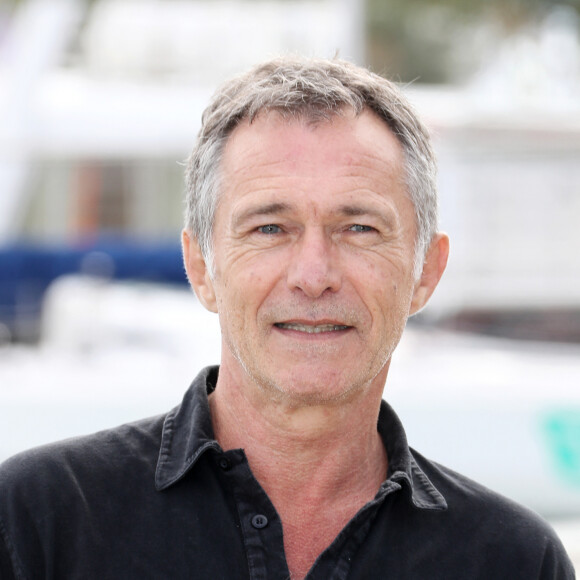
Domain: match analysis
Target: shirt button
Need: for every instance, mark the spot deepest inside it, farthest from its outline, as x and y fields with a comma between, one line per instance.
x=224, y=463
x=259, y=521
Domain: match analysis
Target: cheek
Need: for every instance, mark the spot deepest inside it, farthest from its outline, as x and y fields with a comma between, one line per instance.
x=254, y=278
x=392, y=296
x=241, y=292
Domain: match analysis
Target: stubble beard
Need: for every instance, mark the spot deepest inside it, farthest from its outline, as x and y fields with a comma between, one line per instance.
x=315, y=393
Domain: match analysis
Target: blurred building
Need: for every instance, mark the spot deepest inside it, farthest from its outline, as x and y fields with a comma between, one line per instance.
x=509, y=149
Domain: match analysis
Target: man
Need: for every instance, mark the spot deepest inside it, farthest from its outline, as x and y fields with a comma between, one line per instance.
x=311, y=231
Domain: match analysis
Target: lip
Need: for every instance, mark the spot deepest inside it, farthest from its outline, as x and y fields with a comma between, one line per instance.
x=312, y=328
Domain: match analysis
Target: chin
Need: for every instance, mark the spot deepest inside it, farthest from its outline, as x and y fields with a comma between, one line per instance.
x=310, y=391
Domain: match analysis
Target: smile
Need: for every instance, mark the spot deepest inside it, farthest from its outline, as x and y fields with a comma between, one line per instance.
x=311, y=329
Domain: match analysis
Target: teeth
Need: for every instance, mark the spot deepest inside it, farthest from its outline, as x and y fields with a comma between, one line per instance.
x=312, y=329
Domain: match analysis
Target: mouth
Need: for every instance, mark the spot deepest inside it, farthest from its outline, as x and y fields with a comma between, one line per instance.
x=311, y=328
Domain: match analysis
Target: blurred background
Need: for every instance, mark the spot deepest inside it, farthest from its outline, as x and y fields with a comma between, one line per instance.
x=100, y=102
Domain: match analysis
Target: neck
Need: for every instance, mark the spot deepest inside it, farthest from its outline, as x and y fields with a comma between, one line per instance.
x=317, y=463
x=305, y=440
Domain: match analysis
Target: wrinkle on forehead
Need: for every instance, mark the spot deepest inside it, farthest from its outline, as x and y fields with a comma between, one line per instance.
x=354, y=155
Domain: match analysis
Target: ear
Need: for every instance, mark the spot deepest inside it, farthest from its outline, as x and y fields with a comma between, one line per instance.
x=197, y=272
x=433, y=268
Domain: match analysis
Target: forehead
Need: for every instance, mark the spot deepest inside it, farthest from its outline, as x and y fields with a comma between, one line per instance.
x=273, y=133
x=348, y=152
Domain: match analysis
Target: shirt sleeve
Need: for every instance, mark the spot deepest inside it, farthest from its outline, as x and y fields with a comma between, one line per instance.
x=556, y=564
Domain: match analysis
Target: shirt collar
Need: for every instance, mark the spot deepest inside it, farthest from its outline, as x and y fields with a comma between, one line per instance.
x=188, y=433
x=403, y=469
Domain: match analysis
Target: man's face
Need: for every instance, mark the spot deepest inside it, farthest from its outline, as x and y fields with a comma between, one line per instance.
x=313, y=247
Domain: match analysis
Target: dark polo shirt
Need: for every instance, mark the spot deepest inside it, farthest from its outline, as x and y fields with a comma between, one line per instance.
x=159, y=499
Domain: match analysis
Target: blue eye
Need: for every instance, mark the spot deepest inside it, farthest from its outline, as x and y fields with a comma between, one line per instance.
x=270, y=229
x=360, y=228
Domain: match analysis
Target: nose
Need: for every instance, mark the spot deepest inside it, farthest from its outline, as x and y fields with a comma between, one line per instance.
x=313, y=266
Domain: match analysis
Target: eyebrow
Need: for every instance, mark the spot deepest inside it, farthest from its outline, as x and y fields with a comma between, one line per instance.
x=356, y=210
x=276, y=208
x=364, y=210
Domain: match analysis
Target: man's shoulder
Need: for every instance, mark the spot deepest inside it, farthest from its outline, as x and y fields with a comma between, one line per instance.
x=64, y=499
x=102, y=453
x=505, y=529
x=466, y=497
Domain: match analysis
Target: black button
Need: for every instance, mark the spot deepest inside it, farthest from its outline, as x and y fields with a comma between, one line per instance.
x=259, y=521
x=224, y=463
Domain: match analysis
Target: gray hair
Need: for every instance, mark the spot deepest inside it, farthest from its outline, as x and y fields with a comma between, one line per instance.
x=316, y=90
